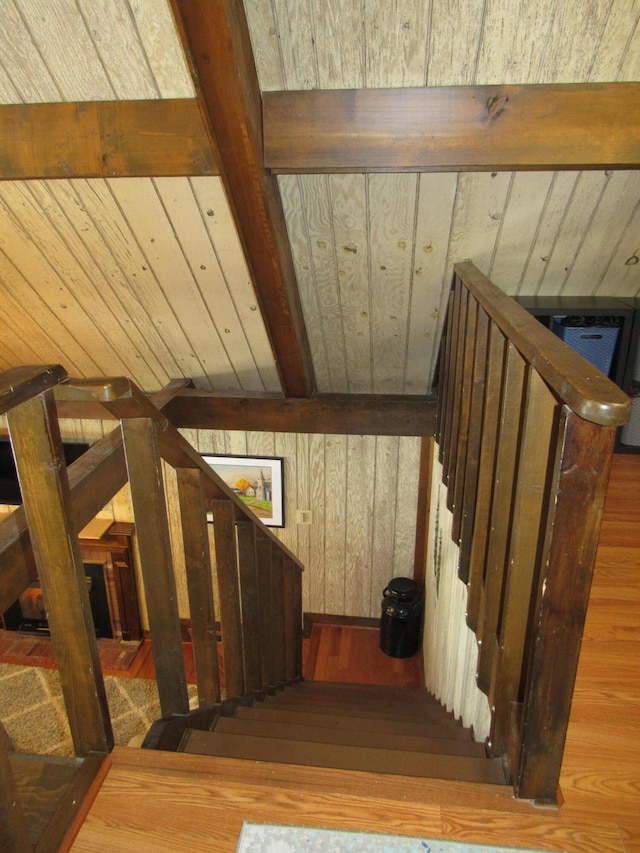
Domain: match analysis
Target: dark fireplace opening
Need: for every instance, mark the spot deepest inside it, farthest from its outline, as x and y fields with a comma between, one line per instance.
x=28, y=614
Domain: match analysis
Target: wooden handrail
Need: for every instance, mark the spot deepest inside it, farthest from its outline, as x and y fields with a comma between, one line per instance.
x=526, y=429
x=577, y=383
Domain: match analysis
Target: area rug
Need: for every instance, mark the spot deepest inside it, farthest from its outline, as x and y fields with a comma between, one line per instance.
x=268, y=838
x=34, y=718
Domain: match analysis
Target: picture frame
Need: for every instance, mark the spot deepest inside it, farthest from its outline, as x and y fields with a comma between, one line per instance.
x=263, y=493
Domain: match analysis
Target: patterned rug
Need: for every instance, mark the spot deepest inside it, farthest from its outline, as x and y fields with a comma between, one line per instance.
x=34, y=717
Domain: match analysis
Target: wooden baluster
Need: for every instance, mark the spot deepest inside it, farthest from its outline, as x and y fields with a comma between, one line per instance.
x=443, y=377
x=247, y=567
x=229, y=592
x=277, y=593
x=263, y=561
x=289, y=617
x=35, y=436
x=462, y=450
x=572, y=529
x=468, y=501
x=458, y=354
x=477, y=550
x=149, y=507
x=195, y=537
x=501, y=511
x=524, y=554
x=452, y=367
x=14, y=833
x=297, y=614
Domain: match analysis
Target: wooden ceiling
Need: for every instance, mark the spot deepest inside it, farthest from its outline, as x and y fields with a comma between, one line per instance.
x=208, y=273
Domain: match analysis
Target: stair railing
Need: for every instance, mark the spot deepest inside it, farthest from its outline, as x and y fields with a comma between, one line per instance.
x=526, y=430
x=259, y=609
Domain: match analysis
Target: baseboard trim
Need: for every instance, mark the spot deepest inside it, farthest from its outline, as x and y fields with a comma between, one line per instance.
x=311, y=619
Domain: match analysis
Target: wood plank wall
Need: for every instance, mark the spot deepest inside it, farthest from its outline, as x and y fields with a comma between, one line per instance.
x=361, y=490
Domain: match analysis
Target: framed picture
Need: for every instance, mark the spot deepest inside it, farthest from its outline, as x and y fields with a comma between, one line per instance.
x=257, y=480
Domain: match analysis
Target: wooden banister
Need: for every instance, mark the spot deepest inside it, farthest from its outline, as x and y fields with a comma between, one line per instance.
x=526, y=430
x=258, y=579
x=581, y=386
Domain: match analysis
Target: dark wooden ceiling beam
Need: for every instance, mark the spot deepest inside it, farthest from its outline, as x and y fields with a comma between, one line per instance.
x=573, y=126
x=216, y=39
x=103, y=139
x=344, y=414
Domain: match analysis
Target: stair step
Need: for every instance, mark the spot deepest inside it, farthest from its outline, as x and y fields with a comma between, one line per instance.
x=397, y=762
x=366, y=710
x=349, y=737
x=422, y=727
x=409, y=695
x=381, y=699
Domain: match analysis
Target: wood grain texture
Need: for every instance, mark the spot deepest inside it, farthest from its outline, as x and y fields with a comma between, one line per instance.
x=103, y=139
x=451, y=128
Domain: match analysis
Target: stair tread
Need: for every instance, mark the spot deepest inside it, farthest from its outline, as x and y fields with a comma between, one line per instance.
x=363, y=709
x=409, y=694
x=348, y=721
x=353, y=737
x=396, y=762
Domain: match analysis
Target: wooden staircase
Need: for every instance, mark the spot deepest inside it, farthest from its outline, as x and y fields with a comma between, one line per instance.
x=345, y=726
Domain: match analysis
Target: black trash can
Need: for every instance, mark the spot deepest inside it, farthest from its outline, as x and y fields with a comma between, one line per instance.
x=401, y=618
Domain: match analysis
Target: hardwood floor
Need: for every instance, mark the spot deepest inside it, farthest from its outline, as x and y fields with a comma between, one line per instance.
x=167, y=803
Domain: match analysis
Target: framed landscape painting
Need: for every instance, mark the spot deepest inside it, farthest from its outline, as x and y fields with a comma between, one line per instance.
x=257, y=480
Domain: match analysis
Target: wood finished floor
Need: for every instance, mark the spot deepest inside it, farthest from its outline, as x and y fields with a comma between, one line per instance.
x=167, y=803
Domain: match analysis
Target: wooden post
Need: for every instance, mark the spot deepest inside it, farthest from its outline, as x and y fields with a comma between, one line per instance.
x=250, y=601
x=149, y=507
x=573, y=526
x=524, y=555
x=35, y=436
x=229, y=591
x=264, y=568
x=278, y=607
x=195, y=538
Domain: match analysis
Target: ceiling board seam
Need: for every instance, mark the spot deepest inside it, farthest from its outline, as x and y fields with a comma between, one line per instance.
x=583, y=236
x=483, y=17
x=229, y=291
x=125, y=276
x=615, y=249
x=95, y=47
x=52, y=77
x=427, y=42
x=334, y=242
x=559, y=229
x=196, y=283
x=505, y=208
x=537, y=231
x=38, y=252
x=150, y=268
x=597, y=48
x=81, y=266
x=543, y=52
x=369, y=279
x=134, y=23
x=414, y=241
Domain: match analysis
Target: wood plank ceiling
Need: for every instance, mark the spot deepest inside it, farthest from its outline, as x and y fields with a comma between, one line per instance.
x=146, y=276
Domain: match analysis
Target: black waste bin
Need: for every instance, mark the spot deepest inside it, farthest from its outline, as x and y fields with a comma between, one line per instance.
x=401, y=618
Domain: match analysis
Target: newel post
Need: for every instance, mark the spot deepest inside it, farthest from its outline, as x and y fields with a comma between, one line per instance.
x=582, y=472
